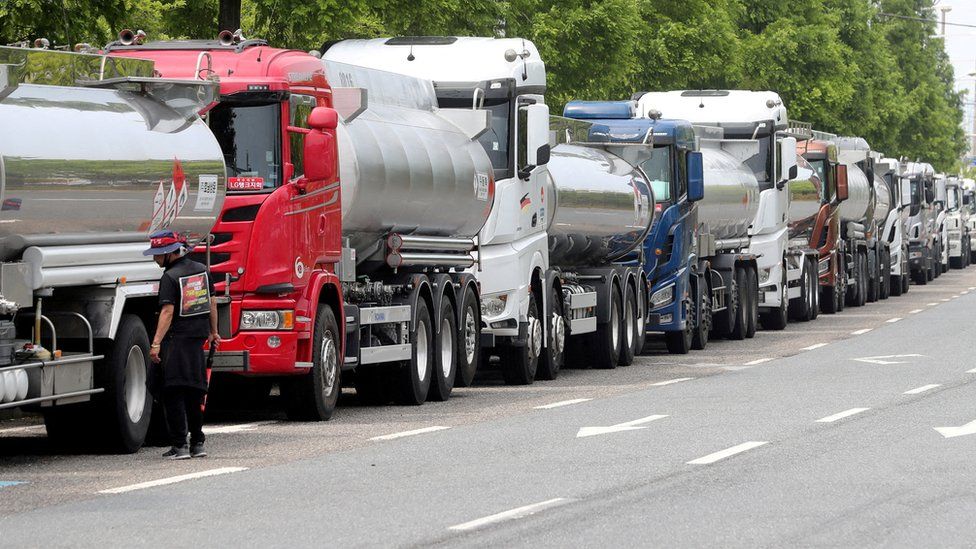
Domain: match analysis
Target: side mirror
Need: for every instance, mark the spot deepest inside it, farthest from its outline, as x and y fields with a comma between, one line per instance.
x=533, y=146
x=320, y=147
x=840, y=175
x=695, y=168
x=787, y=159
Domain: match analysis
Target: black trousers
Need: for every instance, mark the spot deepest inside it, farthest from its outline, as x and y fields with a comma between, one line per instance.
x=184, y=413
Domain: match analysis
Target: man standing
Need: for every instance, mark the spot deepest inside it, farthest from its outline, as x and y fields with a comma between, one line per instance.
x=187, y=318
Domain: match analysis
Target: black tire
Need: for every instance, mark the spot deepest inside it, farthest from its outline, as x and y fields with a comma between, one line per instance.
x=415, y=375
x=828, y=300
x=123, y=412
x=862, y=292
x=469, y=348
x=629, y=328
x=752, y=299
x=725, y=320
x=679, y=342
x=642, y=326
x=814, y=290
x=445, y=353
x=313, y=396
x=905, y=284
x=520, y=363
x=885, y=276
x=554, y=354
x=874, y=278
x=799, y=309
x=741, y=325
x=703, y=321
x=894, y=281
x=841, y=282
x=605, y=343
x=777, y=318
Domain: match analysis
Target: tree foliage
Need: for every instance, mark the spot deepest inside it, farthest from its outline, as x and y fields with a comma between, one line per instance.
x=841, y=64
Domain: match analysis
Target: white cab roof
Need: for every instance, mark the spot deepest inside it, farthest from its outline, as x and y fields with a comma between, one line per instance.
x=716, y=106
x=448, y=59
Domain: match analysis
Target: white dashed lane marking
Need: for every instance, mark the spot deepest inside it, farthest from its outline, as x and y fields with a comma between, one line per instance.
x=562, y=403
x=513, y=514
x=173, y=480
x=921, y=389
x=842, y=415
x=728, y=452
x=410, y=433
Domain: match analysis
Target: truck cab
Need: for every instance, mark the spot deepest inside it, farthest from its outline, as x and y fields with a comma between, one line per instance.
x=889, y=169
x=957, y=224
x=921, y=233
x=274, y=248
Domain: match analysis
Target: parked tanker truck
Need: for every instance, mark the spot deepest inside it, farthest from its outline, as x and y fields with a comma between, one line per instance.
x=923, y=254
x=939, y=214
x=969, y=207
x=957, y=224
x=821, y=154
x=889, y=169
x=95, y=154
x=755, y=131
x=350, y=220
x=548, y=271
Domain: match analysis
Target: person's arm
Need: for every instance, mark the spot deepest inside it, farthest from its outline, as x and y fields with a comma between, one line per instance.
x=162, y=326
x=214, y=335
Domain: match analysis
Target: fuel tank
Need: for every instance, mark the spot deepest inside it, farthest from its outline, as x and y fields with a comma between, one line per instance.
x=882, y=204
x=82, y=165
x=405, y=169
x=603, y=207
x=860, y=203
x=806, y=199
x=731, y=194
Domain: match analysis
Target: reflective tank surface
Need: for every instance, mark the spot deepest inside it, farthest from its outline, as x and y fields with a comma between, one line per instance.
x=882, y=204
x=731, y=195
x=805, y=200
x=603, y=206
x=404, y=169
x=859, y=206
x=92, y=165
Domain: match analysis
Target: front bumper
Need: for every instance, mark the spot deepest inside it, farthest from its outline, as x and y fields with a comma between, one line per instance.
x=251, y=353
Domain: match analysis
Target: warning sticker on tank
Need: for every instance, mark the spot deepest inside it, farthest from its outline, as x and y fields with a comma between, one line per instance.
x=481, y=186
x=206, y=194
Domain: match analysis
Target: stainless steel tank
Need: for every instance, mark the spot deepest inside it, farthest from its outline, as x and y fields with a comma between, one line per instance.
x=859, y=206
x=882, y=204
x=806, y=199
x=101, y=166
x=411, y=172
x=731, y=195
x=603, y=207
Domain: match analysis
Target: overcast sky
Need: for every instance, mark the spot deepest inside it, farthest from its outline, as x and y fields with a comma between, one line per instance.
x=961, y=45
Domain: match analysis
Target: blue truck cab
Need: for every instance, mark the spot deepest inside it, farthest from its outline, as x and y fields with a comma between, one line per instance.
x=675, y=171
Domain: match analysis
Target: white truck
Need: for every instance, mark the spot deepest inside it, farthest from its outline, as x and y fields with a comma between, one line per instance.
x=957, y=224
x=94, y=154
x=757, y=133
x=896, y=222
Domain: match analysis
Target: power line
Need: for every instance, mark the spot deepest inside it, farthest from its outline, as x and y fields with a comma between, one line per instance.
x=924, y=20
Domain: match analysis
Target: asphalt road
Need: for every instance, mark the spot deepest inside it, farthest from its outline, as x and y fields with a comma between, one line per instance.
x=824, y=434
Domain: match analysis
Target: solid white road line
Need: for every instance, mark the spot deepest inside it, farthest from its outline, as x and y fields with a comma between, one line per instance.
x=238, y=428
x=562, y=403
x=842, y=415
x=520, y=512
x=861, y=331
x=922, y=389
x=671, y=381
x=892, y=320
x=814, y=346
x=914, y=311
x=757, y=361
x=411, y=433
x=738, y=449
x=173, y=480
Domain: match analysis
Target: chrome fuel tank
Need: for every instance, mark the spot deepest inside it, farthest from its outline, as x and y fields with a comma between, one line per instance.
x=859, y=206
x=882, y=204
x=806, y=199
x=83, y=165
x=603, y=206
x=731, y=195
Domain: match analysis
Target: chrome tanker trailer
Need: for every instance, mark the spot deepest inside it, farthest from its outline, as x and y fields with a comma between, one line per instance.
x=858, y=224
x=88, y=168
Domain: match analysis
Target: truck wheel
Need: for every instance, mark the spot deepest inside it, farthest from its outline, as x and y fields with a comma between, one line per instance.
x=777, y=318
x=841, y=283
x=469, y=351
x=752, y=298
x=519, y=363
x=445, y=354
x=679, y=342
x=608, y=338
x=828, y=300
x=862, y=280
x=873, y=279
x=741, y=325
x=799, y=309
x=415, y=374
x=126, y=405
x=703, y=321
x=814, y=290
x=642, y=322
x=726, y=320
x=313, y=396
x=894, y=282
x=553, y=355
x=630, y=328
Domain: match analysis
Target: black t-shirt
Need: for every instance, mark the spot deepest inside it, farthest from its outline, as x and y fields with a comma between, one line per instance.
x=188, y=286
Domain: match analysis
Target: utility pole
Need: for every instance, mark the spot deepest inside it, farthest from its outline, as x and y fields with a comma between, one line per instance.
x=944, y=10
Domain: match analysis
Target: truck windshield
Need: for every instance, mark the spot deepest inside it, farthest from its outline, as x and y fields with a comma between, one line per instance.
x=250, y=137
x=826, y=185
x=497, y=139
x=952, y=199
x=658, y=171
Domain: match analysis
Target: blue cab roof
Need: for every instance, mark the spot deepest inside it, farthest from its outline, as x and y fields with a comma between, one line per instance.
x=615, y=121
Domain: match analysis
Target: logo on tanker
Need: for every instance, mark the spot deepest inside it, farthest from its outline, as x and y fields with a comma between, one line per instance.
x=169, y=202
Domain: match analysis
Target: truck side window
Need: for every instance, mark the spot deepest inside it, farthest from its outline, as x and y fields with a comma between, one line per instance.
x=682, y=179
x=301, y=106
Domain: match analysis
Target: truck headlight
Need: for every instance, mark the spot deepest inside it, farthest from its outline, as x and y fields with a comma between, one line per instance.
x=662, y=297
x=493, y=305
x=267, y=320
x=764, y=275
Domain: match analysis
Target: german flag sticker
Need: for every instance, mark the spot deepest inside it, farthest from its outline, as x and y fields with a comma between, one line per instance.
x=525, y=202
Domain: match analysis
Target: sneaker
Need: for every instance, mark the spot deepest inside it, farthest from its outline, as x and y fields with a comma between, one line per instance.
x=197, y=451
x=177, y=452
